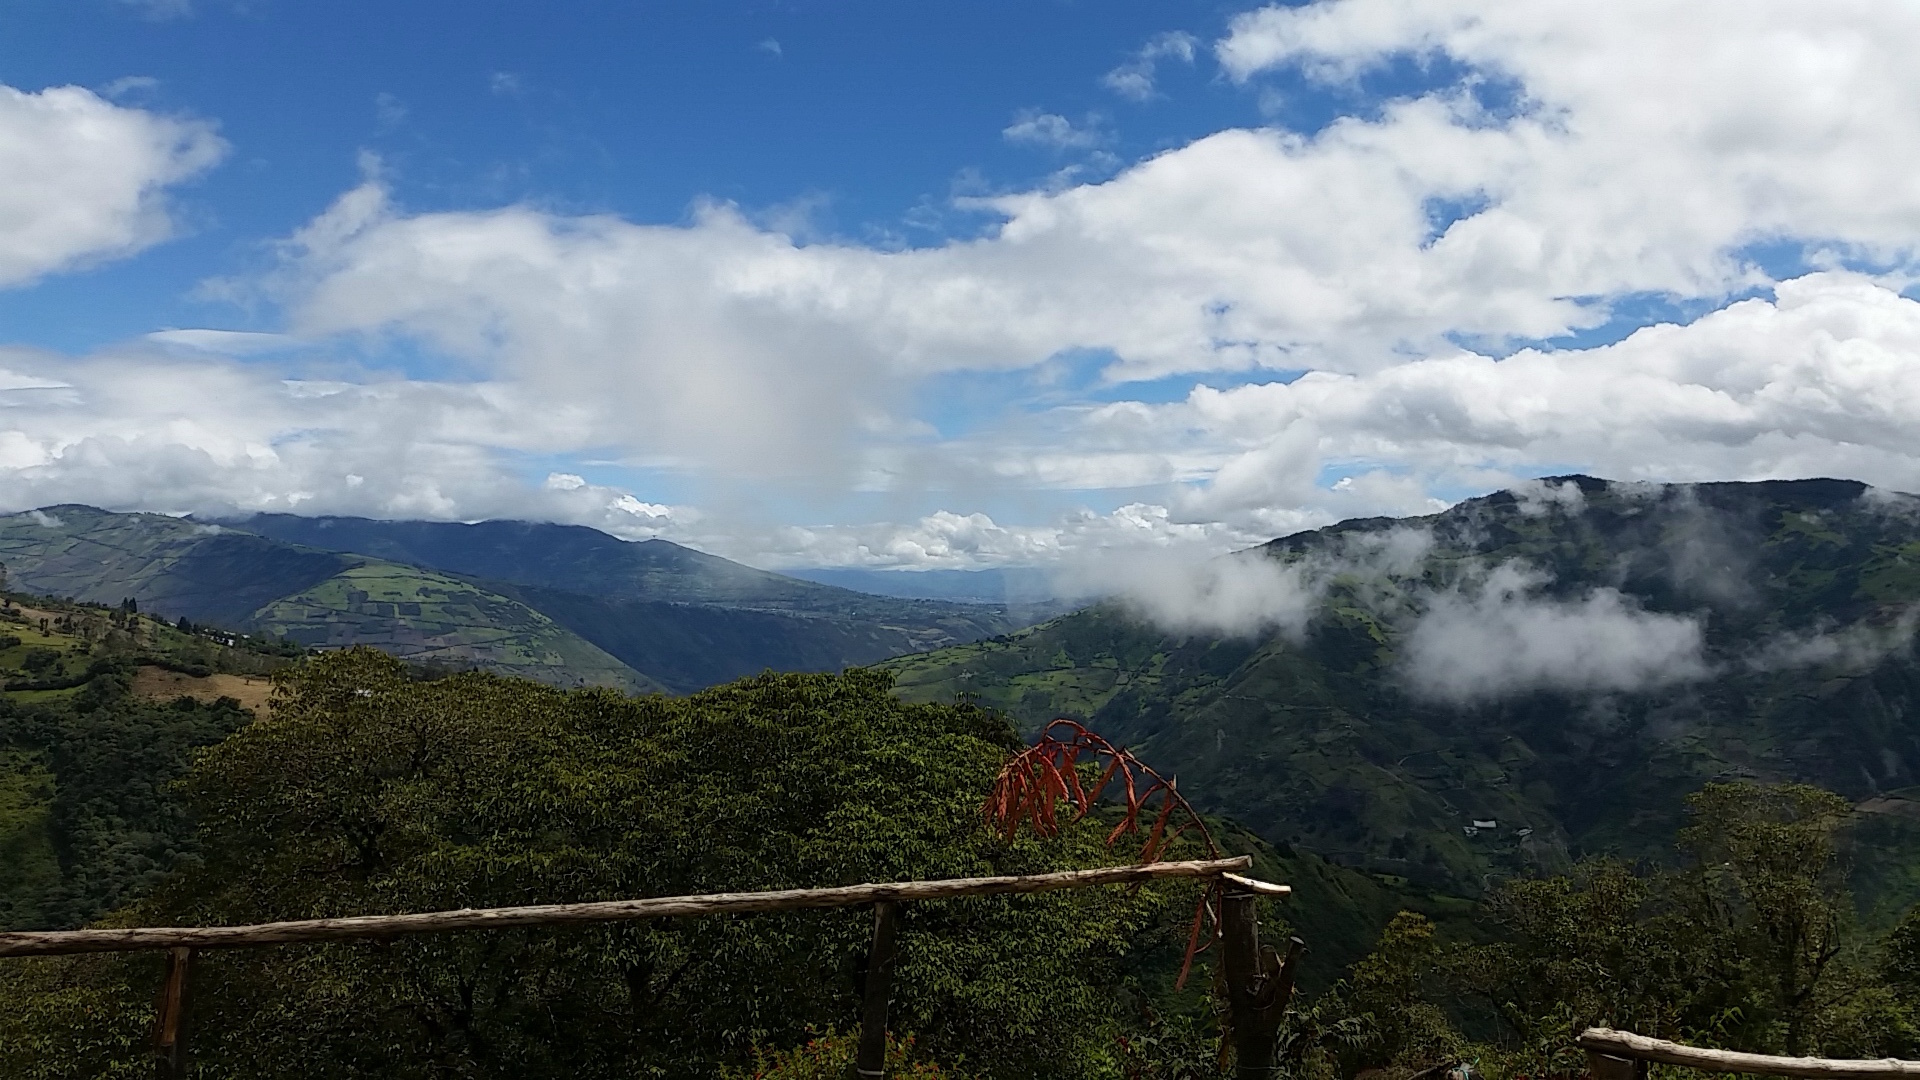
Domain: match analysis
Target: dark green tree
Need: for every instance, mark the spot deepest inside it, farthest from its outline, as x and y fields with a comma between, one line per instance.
x=1768, y=858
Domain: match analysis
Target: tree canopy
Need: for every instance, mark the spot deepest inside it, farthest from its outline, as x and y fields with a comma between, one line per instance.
x=367, y=791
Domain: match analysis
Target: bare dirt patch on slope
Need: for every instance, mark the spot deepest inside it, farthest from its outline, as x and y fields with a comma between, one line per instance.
x=251, y=691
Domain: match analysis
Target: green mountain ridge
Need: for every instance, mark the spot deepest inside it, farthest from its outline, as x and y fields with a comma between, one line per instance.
x=1771, y=625
x=555, y=557
x=202, y=572
x=685, y=618
x=562, y=604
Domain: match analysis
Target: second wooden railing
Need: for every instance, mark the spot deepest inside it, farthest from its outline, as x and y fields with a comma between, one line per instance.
x=1622, y=1055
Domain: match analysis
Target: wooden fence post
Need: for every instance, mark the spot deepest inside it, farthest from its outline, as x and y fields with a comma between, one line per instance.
x=169, y=1029
x=1259, y=984
x=871, y=1060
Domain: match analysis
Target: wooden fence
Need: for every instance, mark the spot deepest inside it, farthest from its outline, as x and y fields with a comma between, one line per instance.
x=1259, y=981
x=1622, y=1055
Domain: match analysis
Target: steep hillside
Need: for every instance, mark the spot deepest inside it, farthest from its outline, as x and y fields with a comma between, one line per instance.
x=202, y=572
x=207, y=573
x=685, y=618
x=99, y=709
x=689, y=646
x=569, y=557
x=1566, y=662
x=426, y=617
x=562, y=604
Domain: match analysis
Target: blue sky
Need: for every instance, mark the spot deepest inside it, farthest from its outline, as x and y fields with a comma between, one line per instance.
x=946, y=285
x=863, y=118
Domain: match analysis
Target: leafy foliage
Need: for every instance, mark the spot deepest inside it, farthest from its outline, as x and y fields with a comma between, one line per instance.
x=1746, y=945
x=367, y=791
x=830, y=1057
x=92, y=823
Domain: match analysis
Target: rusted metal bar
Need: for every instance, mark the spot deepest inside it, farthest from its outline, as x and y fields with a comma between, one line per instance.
x=1604, y=1043
x=50, y=943
x=870, y=1063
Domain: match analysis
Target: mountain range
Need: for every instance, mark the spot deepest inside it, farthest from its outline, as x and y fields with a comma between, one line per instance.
x=1513, y=682
x=563, y=604
x=1439, y=701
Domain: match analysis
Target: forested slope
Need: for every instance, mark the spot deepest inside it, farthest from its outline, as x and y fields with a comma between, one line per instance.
x=1566, y=662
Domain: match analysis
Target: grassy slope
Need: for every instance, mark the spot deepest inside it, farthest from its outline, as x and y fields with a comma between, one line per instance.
x=1314, y=741
x=423, y=616
x=239, y=580
x=569, y=556
x=555, y=556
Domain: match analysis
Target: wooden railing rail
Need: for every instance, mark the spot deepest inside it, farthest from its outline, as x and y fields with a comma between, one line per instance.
x=1259, y=981
x=1615, y=1055
x=135, y=939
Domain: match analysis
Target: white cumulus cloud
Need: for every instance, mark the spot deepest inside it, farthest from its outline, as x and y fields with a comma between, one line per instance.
x=83, y=179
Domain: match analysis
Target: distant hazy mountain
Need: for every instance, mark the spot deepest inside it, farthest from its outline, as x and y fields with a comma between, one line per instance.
x=563, y=604
x=998, y=586
x=682, y=616
x=1564, y=662
x=569, y=557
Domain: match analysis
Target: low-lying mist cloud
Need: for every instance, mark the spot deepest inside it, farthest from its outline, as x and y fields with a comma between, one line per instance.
x=1239, y=595
x=1853, y=648
x=1248, y=592
x=1498, y=638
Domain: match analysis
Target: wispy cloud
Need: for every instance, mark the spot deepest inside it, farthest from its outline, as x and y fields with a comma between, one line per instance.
x=129, y=86
x=389, y=112
x=161, y=10
x=1850, y=648
x=1176, y=586
x=770, y=47
x=1134, y=80
x=1032, y=127
x=226, y=342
